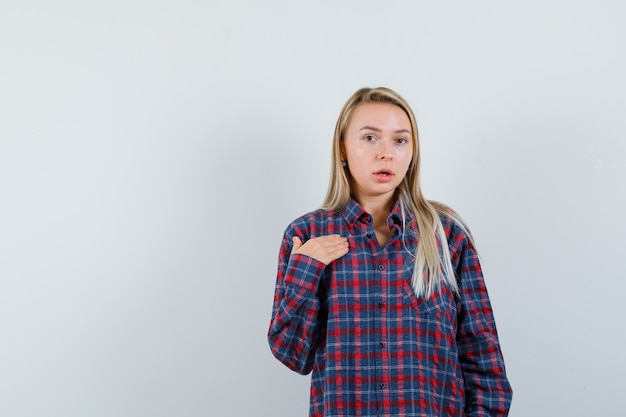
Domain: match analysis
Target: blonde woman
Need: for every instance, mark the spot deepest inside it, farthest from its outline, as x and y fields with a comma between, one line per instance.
x=380, y=293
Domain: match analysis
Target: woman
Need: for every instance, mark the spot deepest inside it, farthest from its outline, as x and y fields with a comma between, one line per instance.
x=367, y=298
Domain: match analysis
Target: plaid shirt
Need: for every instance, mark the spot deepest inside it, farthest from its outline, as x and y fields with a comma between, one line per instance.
x=375, y=349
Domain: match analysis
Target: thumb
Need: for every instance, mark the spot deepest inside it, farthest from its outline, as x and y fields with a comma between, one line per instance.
x=297, y=243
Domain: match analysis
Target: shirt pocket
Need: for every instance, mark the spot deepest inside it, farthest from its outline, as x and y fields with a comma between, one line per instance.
x=438, y=302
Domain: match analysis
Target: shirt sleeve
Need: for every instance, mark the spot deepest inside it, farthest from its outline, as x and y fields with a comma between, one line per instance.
x=294, y=327
x=487, y=389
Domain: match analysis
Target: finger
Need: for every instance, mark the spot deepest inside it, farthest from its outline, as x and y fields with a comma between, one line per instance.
x=297, y=243
x=337, y=252
x=338, y=243
x=331, y=240
x=335, y=237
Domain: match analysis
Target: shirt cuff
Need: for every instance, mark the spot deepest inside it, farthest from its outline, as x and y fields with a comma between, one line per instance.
x=304, y=271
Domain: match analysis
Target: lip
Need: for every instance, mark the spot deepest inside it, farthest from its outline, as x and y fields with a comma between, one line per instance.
x=384, y=175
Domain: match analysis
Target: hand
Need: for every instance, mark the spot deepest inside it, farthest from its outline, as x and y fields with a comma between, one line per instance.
x=323, y=248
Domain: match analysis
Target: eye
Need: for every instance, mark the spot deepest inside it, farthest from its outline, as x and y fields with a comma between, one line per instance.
x=402, y=140
x=369, y=138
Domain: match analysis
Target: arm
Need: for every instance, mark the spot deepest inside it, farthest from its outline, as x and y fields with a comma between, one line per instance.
x=487, y=389
x=295, y=328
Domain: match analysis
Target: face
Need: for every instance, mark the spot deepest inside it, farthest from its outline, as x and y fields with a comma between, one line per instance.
x=378, y=147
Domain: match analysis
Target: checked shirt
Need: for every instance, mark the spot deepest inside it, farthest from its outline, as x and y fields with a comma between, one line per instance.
x=373, y=347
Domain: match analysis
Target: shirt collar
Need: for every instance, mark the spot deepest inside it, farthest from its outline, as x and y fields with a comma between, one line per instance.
x=353, y=213
x=395, y=218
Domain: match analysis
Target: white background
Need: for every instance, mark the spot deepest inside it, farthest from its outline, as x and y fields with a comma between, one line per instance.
x=152, y=153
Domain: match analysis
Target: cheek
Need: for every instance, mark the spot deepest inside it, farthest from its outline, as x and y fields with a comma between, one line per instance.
x=357, y=155
x=405, y=155
x=406, y=161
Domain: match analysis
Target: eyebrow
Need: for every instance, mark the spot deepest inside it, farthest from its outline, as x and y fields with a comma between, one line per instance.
x=375, y=129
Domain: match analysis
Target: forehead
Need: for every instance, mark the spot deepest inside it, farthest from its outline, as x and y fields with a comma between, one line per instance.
x=379, y=115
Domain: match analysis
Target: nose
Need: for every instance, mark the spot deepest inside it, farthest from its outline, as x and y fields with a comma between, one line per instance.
x=385, y=151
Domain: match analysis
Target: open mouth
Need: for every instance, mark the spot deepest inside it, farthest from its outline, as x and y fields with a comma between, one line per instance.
x=383, y=175
x=384, y=172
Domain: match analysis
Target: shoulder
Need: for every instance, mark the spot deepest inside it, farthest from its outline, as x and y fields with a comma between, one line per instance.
x=312, y=223
x=456, y=230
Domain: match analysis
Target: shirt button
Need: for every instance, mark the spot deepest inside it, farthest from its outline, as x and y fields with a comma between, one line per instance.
x=369, y=235
x=381, y=267
x=382, y=386
x=381, y=345
x=380, y=305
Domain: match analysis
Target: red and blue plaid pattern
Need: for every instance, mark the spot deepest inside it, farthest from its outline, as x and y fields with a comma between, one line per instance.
x=375, y=349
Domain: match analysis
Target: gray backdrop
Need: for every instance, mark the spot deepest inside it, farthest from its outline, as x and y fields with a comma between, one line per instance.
x=152, y=153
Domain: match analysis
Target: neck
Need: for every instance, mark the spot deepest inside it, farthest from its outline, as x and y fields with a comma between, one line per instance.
x=378, y=206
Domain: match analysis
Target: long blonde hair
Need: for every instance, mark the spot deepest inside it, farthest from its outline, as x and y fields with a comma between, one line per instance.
x=433, y=265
